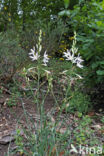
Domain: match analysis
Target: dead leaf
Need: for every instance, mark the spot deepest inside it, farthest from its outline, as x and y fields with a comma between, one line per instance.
x=102, y=131
x=53, y=120
x=61, y=153
x=53, y=150
x=91, y=113
x=96, y=127
x=61, y=130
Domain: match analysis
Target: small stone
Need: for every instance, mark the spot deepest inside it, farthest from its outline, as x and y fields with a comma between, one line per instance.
x=6, y=139
x=9, y=138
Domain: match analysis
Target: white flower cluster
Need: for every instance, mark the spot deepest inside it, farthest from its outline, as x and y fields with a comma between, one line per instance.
x=45, y=59
x=71, y=54
x=35, y=56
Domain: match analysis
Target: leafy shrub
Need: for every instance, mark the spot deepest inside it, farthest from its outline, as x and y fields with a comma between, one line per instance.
x=51, y=37
x=87, y=20
x=79, y=102
x=12, y=57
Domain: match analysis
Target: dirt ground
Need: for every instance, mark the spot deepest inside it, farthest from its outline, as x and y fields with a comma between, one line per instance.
x=13, y=117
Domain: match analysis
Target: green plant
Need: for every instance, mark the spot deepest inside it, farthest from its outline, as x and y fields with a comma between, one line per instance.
x=87, y=19
x=11, y=55
x=83, y=134
x=12, y=101
x=102, y=119
x=19, y=141
x=44, y=137
x=79, y=102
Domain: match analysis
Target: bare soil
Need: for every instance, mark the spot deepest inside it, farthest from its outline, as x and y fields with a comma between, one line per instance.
x=14, y=117
x=10, y=117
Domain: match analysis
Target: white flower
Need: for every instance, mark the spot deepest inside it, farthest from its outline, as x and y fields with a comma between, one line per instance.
x=79, y=65
x=32, y=51
x=34, y=55
x=69, y=56
x=45, y=59
x=78, y=61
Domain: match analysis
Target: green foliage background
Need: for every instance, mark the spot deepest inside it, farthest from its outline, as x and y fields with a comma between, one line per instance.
x=57, y=18
x=87, y=20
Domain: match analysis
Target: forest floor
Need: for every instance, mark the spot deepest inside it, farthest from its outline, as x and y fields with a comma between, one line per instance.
x=14, y=111
x=12, y=118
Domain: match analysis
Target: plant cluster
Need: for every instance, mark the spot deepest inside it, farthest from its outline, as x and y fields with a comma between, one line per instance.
x=52, y=35
x=11, y=56
x=47, y=139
